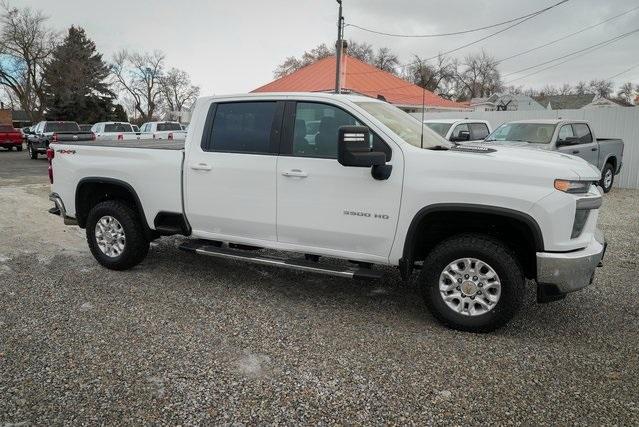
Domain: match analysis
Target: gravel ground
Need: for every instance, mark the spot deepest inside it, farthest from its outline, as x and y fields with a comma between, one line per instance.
x=183, y=339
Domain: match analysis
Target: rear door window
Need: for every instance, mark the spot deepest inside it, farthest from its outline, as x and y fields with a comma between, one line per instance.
x=478, y=131
x=243, y=127
x=582, y=131
x=458, y=129
x=162, y=127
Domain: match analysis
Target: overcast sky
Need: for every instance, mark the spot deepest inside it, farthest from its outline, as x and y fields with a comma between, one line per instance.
x=233, y=46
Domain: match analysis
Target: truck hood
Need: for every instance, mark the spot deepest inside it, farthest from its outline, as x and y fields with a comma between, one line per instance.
x=546, y=162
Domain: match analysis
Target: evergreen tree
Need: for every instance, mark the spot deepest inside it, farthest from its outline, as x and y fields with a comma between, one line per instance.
x=75, y=81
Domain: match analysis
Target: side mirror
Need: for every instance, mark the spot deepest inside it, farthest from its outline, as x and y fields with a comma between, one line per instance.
x=354, y=149
x=463, y=135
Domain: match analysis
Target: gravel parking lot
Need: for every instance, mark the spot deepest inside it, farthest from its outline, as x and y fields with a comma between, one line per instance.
x=183, y=339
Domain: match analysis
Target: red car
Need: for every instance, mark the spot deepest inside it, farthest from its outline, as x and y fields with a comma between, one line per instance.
x=10, y=137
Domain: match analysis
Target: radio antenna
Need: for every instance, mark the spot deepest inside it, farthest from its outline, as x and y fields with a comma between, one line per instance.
x=423, y=108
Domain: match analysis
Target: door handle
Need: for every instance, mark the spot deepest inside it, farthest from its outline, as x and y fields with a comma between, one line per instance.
x=298, y=173
x=201, y=167
x=594, y=149
x=575, y=151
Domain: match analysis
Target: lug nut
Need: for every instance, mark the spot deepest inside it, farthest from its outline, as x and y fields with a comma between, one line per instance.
x=481, y=285
x=466, y=276
x=474, y=277
x=459, y=280
x=458, y=288
x=478, y=292
x=472, y=297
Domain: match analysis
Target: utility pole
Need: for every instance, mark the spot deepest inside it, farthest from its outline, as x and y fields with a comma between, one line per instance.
x=339, y=45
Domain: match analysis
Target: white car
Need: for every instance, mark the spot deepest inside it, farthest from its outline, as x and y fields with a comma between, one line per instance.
x=163, y=130
x=460, y=130
x=116, y=131
x=476, y=221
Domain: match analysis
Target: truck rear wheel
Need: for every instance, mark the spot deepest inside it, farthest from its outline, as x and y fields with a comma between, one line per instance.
x=116, y=235
x=32, y=153
x=607, y=177
x=472, y=283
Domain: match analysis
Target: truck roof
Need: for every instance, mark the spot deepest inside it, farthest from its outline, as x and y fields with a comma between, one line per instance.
x=548, y=121
x=456, y=121
x=281, y=95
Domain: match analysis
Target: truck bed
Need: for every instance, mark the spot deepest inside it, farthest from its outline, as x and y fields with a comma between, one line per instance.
x=176, y=144
x=153, y=170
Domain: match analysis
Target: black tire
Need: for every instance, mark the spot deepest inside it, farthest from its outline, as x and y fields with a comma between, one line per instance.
x=19, y=147
x=488, y=250
x=32, y=153
x=10, y=148
x=136, y=245
x=607, y=169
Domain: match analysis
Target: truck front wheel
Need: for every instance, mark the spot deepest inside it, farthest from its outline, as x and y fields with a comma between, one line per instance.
x=116, y=235
x=472, y=283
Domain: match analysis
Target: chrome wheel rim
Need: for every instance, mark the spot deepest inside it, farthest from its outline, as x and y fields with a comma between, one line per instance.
x=110, y=237
x=608, y=178
x=469, y=286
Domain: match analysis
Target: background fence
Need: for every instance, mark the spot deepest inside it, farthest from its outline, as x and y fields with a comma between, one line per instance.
x=606, y=123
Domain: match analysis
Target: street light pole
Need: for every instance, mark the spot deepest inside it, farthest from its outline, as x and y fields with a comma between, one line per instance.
x=338, y=49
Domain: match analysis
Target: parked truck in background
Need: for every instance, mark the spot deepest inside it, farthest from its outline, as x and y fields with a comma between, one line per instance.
x=10, y=137
x=574, y=137
x=374, y=187
x=460, y=130
x=46, y=132
x=163, y=130
x=116, y=131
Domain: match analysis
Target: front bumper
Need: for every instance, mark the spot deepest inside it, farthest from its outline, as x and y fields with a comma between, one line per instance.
x=570, y=271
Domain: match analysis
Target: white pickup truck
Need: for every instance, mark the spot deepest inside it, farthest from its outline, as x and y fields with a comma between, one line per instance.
x=117, y=131
x=460, y=130
x=163, y=130
x=566, y=136
x=369, y=188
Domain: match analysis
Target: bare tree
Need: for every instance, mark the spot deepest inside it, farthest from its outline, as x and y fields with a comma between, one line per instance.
x=362, y=51
x=386, y=60
x=548, y=90
x=437, y=77
x=292, y=64
x=581, y=88
x=178, y=92
x=565, y=89
x=140, y=76
x=477, y=76
x=25, y=44
x=514, y=90
x=627, y=92
x=602, y=88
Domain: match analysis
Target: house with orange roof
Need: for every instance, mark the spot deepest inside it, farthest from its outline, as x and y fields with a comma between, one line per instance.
x=361, y=78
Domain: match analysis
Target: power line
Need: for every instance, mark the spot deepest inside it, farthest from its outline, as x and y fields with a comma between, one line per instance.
x=623, y=72
x=605, y=42
x=499, y=24
x=408, y=64
x=584, y=52
x=568, y=35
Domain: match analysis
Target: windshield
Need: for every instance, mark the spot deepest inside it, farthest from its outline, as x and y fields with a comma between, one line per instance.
x=62, y=127
x=168, y=126
x=117, y=127
x=537, y=133
x=404, y=125
x=440, y=128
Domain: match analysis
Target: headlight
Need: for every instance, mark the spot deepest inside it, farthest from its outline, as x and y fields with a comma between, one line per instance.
x=575, y=187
